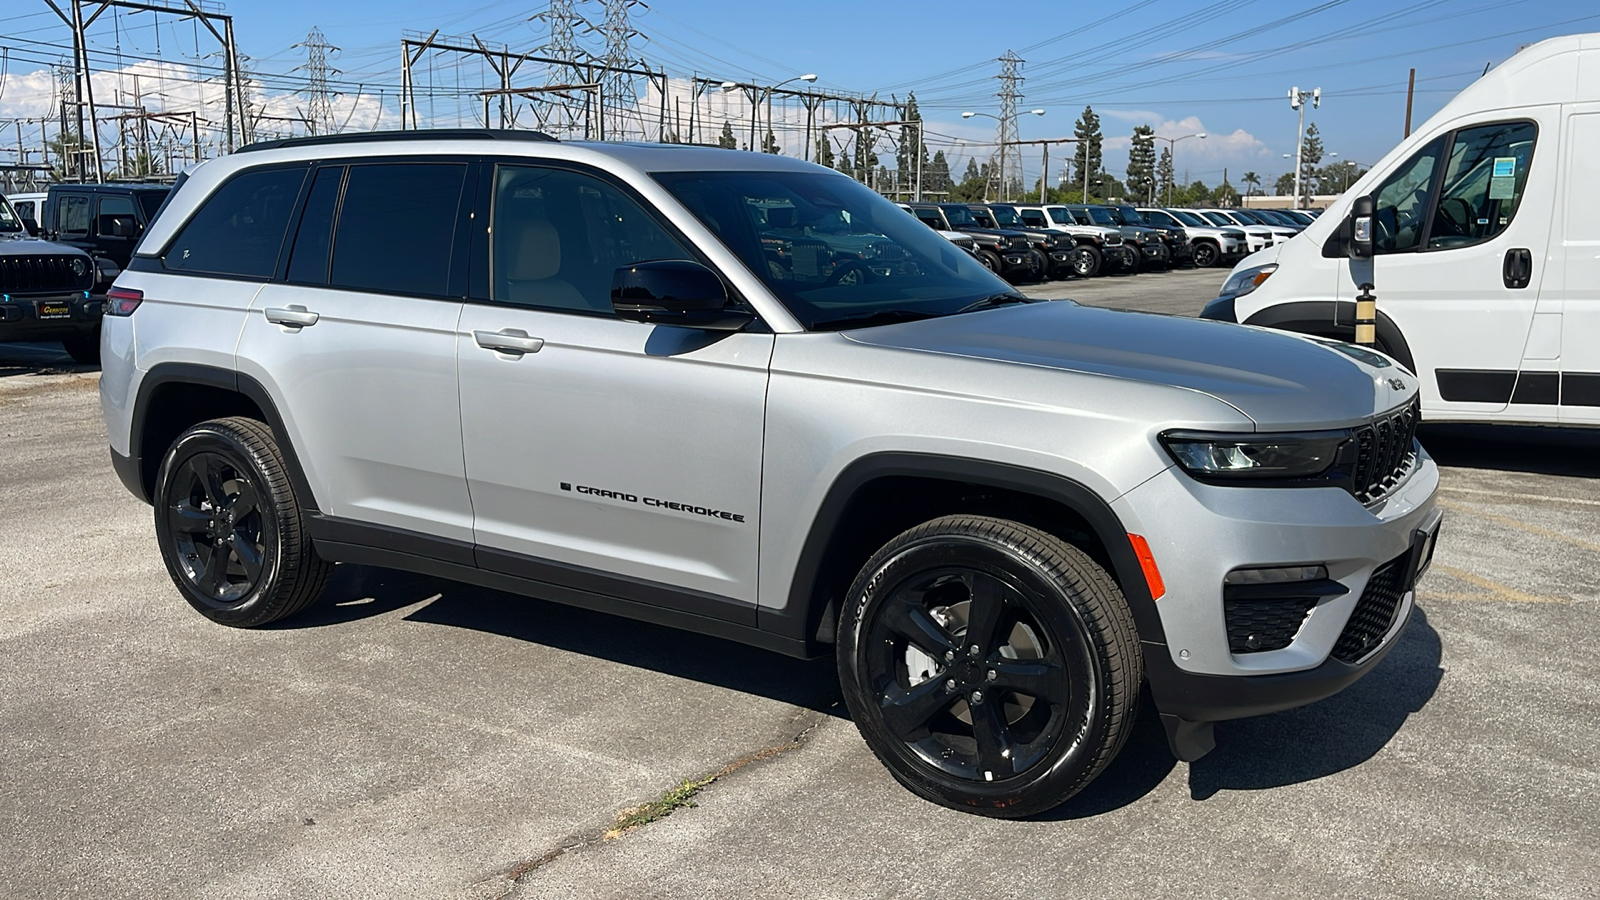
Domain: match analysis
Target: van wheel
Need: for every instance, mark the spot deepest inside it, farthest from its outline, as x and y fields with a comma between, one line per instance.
x=1206, y=255
x=230, y=528
x=991, y=667
x=84, y=348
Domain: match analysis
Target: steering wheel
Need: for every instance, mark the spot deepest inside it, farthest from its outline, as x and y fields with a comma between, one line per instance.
x=1460, y=226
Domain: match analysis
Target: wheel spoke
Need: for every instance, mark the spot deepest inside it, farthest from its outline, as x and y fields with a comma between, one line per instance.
x=215, y=481
x=983, y=614
x=183, y=518
x=245, y=549
x=215, y=575
x=1040, y=678
x=994, y=740
x=247, y=500
x=906, y=712
x=909, y=620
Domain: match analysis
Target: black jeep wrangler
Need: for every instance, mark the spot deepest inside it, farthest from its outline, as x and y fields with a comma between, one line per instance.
x=44, y=291
x=104, y=220
x=1008, y=254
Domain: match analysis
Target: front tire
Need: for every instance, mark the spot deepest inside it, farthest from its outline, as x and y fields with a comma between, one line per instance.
x=991, y=667
x=1206, y=255
x=1131, y=257
x=1086, y=261
x=230, y=528
x=990, y=260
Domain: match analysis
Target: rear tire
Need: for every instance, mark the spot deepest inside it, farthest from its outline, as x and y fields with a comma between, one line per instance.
x=992, y=667
x=230, y=528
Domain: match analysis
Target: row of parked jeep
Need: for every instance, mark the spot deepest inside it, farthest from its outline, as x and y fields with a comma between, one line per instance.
x=1026, y=244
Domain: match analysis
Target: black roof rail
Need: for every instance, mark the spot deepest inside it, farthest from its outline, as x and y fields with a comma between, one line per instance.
x=430, y=134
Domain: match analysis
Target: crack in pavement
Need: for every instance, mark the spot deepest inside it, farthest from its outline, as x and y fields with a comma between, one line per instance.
x=504, y=883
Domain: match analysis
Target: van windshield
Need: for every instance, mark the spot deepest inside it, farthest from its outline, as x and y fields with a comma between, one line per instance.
x=833, y=251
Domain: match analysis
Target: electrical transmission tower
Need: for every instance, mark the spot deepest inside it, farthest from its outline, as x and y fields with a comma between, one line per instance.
x=562, y=22
x=319, y=115
x=617, y=89
x=1010, y=152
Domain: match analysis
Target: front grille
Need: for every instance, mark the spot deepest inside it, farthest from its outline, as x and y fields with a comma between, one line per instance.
x=1374, y=612
x=888, y=251
x=39, y=274
x=1386, y=450
x=1259, y=625
x=1113, y=240
x=1017, y=244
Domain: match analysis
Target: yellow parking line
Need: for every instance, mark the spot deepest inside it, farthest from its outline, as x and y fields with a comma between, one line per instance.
x=1499, y=592
x=1542, y=498
x=1522, y=526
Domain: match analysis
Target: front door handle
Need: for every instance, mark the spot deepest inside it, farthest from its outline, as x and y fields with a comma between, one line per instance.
x=1517, y=270
x=508, y=340
x=292, y=317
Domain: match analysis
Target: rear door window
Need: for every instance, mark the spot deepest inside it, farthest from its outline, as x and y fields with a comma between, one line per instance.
x=115, y=206
x=72, y=216
x=150, y=202
x=308, y=259
x=397, y=228
x=239, y=230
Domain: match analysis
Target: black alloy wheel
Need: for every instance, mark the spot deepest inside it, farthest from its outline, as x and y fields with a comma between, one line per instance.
x=1132, y=258
x=990, y=260
x=1205, y=255
x=848, y=272
x=992, y=667
x=230, y=529
x=1085, y=261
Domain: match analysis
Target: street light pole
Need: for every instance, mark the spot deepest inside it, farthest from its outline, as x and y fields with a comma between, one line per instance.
x=1172, y=157
x=1297, y=100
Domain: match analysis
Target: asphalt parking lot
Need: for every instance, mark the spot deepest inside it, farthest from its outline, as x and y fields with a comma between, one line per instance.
x=412, y=737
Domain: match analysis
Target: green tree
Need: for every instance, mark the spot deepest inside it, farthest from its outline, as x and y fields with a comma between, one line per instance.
x=865, y=160
x=1142, y=164
x=973, y=183
x=1284, y=186
x=1336, y=177
x=1310, y=156
x=769, y=144
x=1252, y=183
x=1225, y=195
x=726, y=140
x=936, y=176
x=1109, y=188
x=824, y=151
x=1194, y=193
x=905, y=156
x=1086, y=152
x=1164, y=174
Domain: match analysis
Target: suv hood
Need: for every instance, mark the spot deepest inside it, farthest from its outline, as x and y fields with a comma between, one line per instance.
x=1280, y=381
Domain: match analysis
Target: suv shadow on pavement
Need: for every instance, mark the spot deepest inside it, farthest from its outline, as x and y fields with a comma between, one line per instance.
x=1533, y=449
x=359, y=592
x=1285, y=748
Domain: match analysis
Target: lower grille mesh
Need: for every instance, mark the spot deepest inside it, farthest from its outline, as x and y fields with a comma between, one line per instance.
x=1374, y=612
x=1256, y=626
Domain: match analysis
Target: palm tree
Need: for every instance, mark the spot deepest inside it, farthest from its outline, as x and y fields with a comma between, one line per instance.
x=1251, y=182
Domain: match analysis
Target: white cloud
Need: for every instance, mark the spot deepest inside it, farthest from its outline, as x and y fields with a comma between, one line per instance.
x=1203, y=158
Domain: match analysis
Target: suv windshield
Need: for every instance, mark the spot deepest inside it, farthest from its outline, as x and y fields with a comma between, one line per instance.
x=1249, y=216
x=1005, y=215
x=1060, y=216
x=1130, y=216
x=1219, y=219
x=1101, y=216
x=833, y=251
x=959, y=216
x=1187, y=218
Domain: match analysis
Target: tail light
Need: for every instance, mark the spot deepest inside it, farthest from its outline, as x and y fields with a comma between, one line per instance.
x=123, y=301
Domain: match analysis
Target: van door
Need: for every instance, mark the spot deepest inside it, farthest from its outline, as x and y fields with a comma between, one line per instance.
x=1575, y=263
x=356, y=342
x=1460, y=231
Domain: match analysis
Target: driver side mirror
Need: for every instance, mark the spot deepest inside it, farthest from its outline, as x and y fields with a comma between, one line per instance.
x=1360, y=241
x=675, y=292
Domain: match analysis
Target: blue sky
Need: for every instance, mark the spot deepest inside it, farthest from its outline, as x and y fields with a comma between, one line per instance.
x=1223, y=67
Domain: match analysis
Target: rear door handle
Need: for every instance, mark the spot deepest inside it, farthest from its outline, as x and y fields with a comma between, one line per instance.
x=1517, y=270
x=292, y=317
x=508, y=340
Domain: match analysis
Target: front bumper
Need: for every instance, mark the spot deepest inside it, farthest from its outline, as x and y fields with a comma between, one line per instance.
x=1199, y=533
x=49, y=317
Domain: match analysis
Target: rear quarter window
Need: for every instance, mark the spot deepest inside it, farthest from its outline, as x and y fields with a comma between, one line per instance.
x=238, y=231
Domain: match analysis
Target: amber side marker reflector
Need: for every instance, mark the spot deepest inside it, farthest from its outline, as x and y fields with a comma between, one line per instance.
x=1147, y=562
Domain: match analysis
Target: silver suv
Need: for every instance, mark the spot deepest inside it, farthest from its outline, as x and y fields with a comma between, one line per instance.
x=747, y=396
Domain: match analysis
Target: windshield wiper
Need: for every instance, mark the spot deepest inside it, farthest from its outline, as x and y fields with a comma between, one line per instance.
x=878, y=317
x=996, y=300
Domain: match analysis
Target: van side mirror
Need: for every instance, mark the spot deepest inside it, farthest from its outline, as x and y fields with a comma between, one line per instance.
x=675, y=292
x=1360, y=243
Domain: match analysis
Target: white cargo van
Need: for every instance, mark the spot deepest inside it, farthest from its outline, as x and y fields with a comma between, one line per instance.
x=1484, y=249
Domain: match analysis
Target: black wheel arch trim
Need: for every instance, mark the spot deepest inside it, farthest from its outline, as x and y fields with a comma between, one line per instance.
x=1326, y=317
x=803, y=615
x=163, y=374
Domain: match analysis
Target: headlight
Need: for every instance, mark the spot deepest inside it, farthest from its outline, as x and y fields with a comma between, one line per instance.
x=1235, y=457
x=79, y=267
x=1246, y=280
